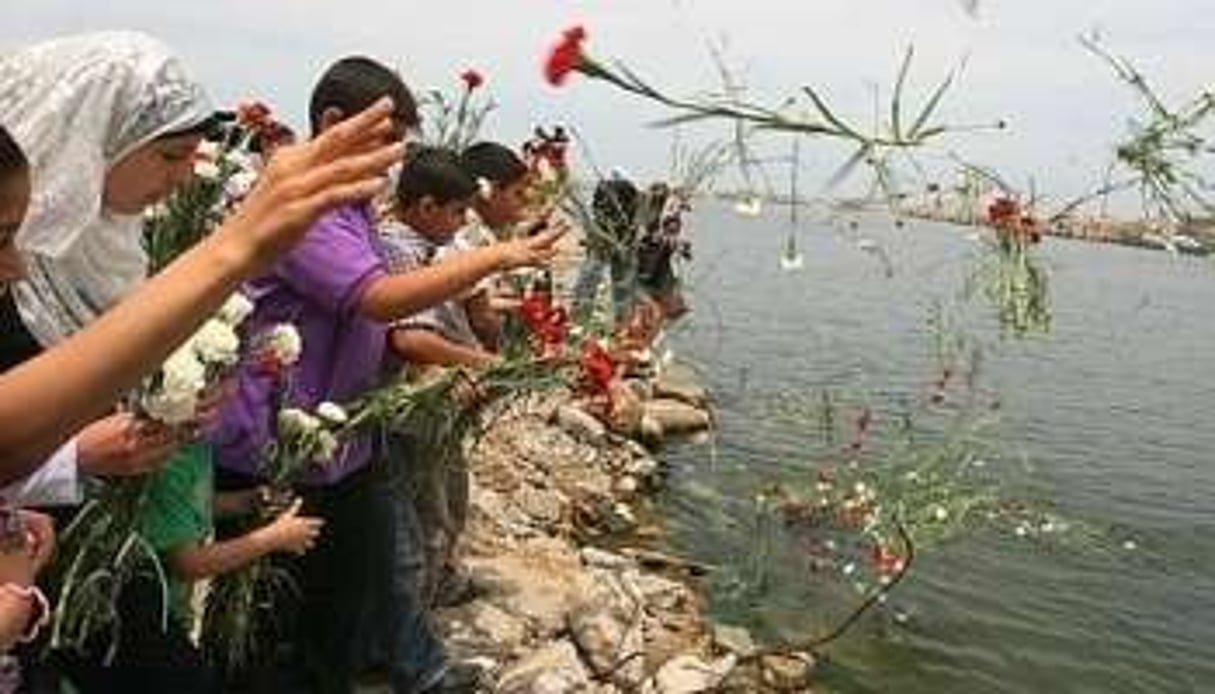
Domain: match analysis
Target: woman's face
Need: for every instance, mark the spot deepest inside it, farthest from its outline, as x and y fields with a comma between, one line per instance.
x=14, y=198
x=149, y=174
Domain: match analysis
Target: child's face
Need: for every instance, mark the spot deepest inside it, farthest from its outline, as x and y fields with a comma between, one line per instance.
x=439, y=222
x=507, y=204
x=14, y=198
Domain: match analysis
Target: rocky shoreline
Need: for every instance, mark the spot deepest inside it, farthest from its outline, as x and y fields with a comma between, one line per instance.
x=571, y=595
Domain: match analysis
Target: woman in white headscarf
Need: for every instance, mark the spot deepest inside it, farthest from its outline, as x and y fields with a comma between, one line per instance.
x=110, y=122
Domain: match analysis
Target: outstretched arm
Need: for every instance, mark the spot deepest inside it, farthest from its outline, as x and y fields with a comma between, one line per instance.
x=47, y=399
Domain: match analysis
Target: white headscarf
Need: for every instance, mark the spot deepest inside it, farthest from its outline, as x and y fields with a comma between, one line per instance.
x=76, y=106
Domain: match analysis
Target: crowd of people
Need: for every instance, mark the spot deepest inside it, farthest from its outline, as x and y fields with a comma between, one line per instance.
x=379, y=278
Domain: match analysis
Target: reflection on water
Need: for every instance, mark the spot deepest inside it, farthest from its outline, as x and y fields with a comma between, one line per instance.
x=1113, y=413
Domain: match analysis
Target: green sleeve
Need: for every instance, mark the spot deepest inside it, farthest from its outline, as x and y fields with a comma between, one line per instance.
x=178, y=510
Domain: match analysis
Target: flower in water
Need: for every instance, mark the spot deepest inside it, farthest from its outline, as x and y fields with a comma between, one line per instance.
x=940, y=513
x=1130, y=545
x=472, y=79
x=332, y=413
x=749, y=206
x=566, y=57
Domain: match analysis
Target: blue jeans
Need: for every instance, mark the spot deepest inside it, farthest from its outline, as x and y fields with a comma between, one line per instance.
x=415, y=653
x=623, y=270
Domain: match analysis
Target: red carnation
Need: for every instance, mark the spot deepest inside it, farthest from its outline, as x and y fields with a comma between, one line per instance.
x=598, y=367
x=253, y=114
x=565, y=57
x=472, y=79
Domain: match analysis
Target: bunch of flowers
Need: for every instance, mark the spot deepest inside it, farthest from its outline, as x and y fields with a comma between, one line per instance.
x=456, y=122
x=547, y=324
x=1009, y=275
x=172, y=395
x=546, y=155
x=1164, y=158
x=102, y=549
x=225, y=170
x=240, y=604
x=438, y=416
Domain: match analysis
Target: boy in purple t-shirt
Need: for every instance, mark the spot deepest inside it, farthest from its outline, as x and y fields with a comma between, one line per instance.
x=333, y=287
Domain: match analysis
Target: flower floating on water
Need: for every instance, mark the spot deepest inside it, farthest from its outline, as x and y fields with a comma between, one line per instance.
x=749, y=206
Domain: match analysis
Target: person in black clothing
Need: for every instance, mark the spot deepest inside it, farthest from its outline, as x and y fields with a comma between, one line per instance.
x=610, y=245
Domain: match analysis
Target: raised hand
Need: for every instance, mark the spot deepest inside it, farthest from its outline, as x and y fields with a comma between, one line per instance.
x=344, y=164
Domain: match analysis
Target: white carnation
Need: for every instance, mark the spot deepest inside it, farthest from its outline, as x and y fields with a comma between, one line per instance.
x=206, y=169
x=293, y=423
x=183, y=377
x=283, y=341
x=332, y=413
x=217, y=343
x=326, y=446
x=239, y=184
x=207, y=150
x=236, y=309
x=171, y=408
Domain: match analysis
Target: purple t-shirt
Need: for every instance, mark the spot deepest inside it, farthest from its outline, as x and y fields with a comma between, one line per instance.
x=317, y=287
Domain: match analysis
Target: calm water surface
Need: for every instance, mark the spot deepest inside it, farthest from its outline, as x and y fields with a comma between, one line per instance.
x=1113, y=413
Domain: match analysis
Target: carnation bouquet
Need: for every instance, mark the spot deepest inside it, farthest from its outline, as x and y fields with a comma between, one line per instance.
x=456, y=123
x=439, y=415
x=1009, y=275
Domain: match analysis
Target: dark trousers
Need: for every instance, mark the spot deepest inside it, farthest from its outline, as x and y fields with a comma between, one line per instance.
x=339, y=584
x=148, y=659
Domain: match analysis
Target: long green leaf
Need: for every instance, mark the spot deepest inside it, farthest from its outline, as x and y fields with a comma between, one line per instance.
x=829, y=116
x=848, y=167
x=934, y=101
x=896, y=101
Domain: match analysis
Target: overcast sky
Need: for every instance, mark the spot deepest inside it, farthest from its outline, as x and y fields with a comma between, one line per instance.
x=1025, y=65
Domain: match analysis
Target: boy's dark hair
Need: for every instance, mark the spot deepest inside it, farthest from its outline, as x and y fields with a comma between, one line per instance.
x=356, y=82
x=494, y=162
x=433, y=172
x=12, y=159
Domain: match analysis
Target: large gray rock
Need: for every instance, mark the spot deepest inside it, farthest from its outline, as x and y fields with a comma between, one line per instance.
x=503, y=630
x=677, y=417
x=688, y=674
x=787, y=672
x=736, y=640
x=580, y=425
x=554, y=669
